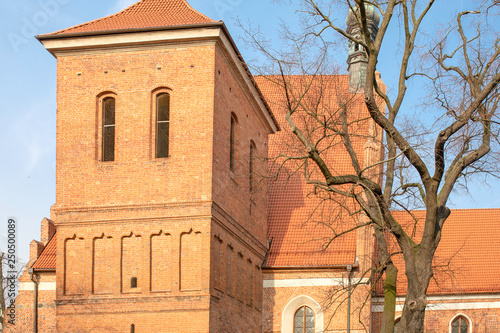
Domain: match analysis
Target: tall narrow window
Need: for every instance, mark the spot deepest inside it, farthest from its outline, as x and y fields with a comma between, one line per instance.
x=108, y=129
x=252, y=166
x=460, y=325
x=162, y=124
x=232, y=143
x=396, y=326
x=304, y=320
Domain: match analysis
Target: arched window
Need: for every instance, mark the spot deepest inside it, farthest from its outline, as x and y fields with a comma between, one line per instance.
x=108, y=129
x=460, y=325
x=252, y=166
x=303, y=320
x=162, y=124
x=290, y=314
x=396, y=325
x=232, y=142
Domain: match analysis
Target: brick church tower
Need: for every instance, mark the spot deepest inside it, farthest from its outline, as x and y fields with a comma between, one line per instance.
x=161, y=221
x=162, y=216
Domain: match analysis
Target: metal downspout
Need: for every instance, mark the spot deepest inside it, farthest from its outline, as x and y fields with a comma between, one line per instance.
x=34, y=278
x=349, y=270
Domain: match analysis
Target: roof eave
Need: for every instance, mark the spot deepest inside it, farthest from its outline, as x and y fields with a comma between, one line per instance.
x=124, y=31
x=44, y=269
x=303, y=267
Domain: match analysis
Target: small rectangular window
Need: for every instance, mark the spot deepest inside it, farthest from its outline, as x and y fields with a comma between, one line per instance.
x=133, y=282
x=162, y=124
x=108, y=129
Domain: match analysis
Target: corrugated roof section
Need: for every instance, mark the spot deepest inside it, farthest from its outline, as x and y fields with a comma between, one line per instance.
x=301, y=223
x=467, y=259
x=47, y=259
x=142, y=15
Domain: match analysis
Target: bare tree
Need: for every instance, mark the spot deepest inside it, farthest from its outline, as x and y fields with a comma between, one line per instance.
x=460, y=67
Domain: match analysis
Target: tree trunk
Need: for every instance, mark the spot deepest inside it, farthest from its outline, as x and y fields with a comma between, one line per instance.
x=418, y=273
x=391, y=277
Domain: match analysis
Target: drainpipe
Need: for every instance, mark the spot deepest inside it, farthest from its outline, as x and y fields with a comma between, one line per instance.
x=349, y=270
x=34, y=278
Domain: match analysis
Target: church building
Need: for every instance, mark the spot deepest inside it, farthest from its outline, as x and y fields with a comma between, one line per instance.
x=174, y=214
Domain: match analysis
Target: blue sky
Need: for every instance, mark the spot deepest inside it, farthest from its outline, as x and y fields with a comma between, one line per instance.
x=28, y=97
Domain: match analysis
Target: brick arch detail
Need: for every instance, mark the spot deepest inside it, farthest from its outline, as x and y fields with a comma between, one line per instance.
x=293, y=305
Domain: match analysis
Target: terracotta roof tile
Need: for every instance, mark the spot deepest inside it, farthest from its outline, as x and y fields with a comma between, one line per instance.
x=142, y=15
x=300, y=223
x=467, y=259
x=47, y=259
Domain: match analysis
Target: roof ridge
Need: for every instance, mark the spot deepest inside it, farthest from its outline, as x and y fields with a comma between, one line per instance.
x=452, y=209
x=194, y=10
x=142, y=14
x=99, y=19
x=45, y=250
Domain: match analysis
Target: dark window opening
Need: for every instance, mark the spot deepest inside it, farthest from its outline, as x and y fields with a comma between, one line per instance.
x=232, y=139
x=252, y=166
x=108, y=129
x=303, y=320
x=132, y=328
x=460, y=325
x=162, y=124
x=133, y=282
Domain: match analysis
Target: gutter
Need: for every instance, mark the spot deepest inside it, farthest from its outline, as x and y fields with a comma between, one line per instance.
x=342, y=266
x=349, y=271
x=267, y=252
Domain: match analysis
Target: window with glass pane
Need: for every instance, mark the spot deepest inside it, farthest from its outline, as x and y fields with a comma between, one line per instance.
x=396, y=326
x=162, y=124
x=304, y=320
x=252, y=166
x=460, y=325
x=232, y=143
x=108, y=129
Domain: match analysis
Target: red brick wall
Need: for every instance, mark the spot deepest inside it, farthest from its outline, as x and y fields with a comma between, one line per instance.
x=104, y=289
x=483, y=320
x=120, y=316
x=231, y=190
x=25, y=302
x=135, y=177
x=236, y=284
x=332, y=300
x=109, y=215
x=115, y=208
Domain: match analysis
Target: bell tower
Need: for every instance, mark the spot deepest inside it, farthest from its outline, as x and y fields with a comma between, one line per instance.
x=161, y=221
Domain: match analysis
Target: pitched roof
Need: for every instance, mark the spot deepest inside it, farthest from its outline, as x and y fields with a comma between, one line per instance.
x=301, y=223
x=47, y=259
x=467, y=259
x=143, y=15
